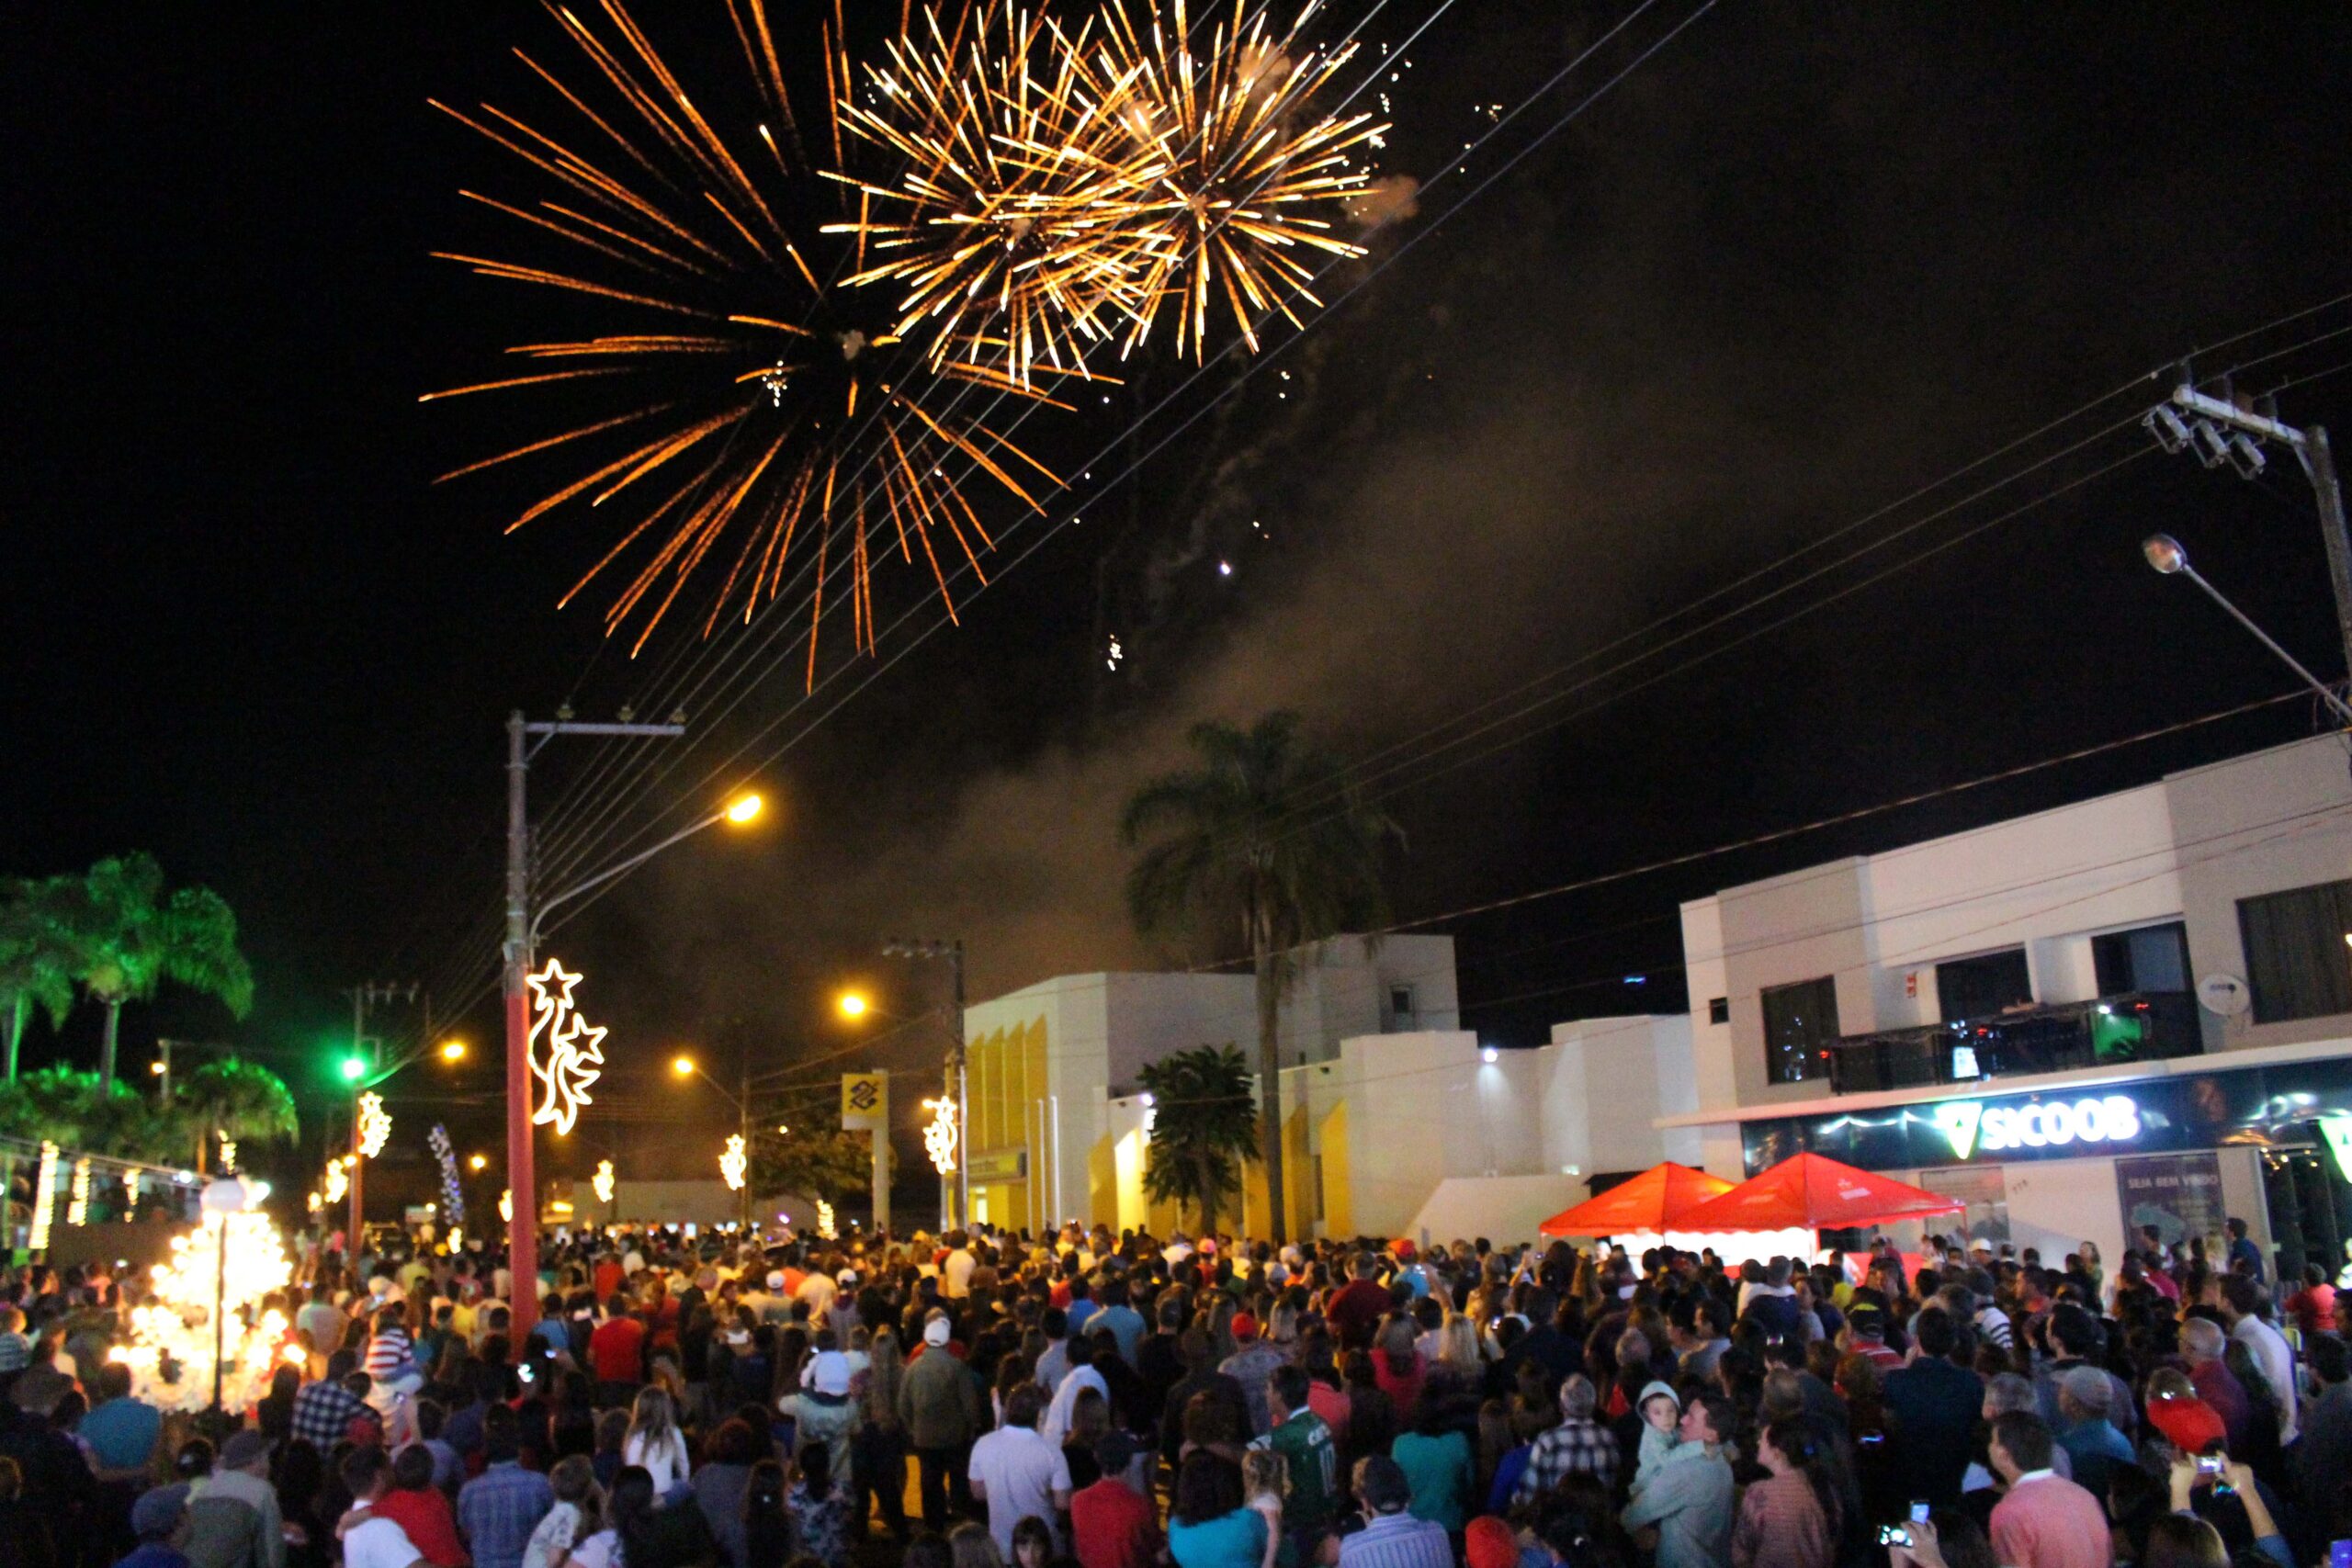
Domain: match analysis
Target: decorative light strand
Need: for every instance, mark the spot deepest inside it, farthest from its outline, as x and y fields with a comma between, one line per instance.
x=939, y=1136
x=375, y=1124
x=733, y=1162
x=77, y=1211
x=44, y=1197
x=574, y=1057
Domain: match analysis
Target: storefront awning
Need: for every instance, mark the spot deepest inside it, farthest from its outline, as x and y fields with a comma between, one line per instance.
x=1652, y=1203
x=1810, y=1192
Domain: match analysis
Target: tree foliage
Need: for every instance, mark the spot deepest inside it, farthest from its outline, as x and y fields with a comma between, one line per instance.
x=83, y=1113
x=1269, y=841
x=1203, y=1129
x=41, y=954
x=237, y=1100
x=828, y=1165
x=135, y=937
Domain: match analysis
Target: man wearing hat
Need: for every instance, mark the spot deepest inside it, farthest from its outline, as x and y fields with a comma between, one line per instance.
x=2090, y=1439
x=241, y=1475
x=939, y=1404
x=1866, y=1336
x=159, y=1519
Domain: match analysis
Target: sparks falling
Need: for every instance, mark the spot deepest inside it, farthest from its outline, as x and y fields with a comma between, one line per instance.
x=744, y=402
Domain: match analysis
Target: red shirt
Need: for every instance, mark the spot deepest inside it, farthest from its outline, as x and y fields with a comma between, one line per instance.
x=608, y=1279
x=431, y=1524
x=617, y=1350
x=1110, y=1526
x=1357, y=1310
x=2315, y=1308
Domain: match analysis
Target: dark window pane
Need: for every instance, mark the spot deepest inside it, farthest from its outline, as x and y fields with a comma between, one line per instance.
x=2296, y=960
x=2149, y=958
x=1979, y=988
x=1719, y=1009
x=1800, y=1022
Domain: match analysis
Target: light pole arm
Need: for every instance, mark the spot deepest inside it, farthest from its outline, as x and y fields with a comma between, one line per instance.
x=2326, y=693
x=609, y=872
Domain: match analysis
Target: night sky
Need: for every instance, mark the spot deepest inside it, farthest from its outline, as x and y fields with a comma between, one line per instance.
x=1798, y=263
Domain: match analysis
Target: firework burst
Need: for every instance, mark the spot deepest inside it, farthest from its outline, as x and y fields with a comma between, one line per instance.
x=746, y=401
x=1229, y=161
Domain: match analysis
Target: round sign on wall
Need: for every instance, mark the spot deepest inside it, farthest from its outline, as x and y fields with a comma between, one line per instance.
x=2225, y=993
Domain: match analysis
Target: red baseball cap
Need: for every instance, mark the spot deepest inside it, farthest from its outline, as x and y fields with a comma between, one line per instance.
x=1487, y=1542
x=2189, y=1424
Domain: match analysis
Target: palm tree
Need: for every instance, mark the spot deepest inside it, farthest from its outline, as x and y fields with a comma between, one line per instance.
x=137, y=939
x=236, y=1100
x=1268, y=839
x=1203, y=1128
x=39, y=956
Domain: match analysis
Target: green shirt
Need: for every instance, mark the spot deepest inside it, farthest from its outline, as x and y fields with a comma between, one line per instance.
x=1439, y=1470
x=1305, y=1443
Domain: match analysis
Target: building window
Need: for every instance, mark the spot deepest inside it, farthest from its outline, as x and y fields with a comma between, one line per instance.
x=2149, y=958
x=2296, y=960
x=1719, y=1009
x=1979, y=988
x=1800, y=1022
x=1400, y=1003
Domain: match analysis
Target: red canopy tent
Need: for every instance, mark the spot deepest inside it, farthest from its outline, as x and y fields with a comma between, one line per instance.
x=1809, y=1192
x=1650, y=1203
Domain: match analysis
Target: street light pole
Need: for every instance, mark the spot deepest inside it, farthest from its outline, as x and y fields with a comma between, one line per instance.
x=953, y=954
x=2166, y=554
x=362, y=997
x=522, y=1174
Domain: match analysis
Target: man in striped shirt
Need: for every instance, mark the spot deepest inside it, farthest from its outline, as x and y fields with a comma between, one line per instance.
x=389, y=1348
x=1392, y=1537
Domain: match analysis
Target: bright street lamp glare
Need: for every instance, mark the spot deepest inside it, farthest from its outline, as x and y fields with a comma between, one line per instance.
x=353, y=1069
x=478, y=1161
x=156, y=1069
x=453, y=1050
x=682, y=1066
x=744, y=809
x=854, y=1004
x=2165, y=553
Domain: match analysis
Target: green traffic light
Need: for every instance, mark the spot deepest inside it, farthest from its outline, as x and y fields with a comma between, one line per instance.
x=353, y=1069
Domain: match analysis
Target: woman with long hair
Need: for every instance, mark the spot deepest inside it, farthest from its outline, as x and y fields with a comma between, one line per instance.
x=1371, y=1415
x=1789, y=1520
x=969, y=1545
x=767, y=1518
x=654, y=1443
x=1211, y=1525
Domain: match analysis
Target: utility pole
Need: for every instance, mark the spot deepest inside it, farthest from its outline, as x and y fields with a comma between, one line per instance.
x=522, y=1172
x=953, y=954
x=363, y=997
x=743, y=1127
x=163, y=1072
x=2194, y=421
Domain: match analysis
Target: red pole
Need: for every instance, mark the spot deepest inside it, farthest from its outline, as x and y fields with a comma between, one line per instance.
x=358, y=1219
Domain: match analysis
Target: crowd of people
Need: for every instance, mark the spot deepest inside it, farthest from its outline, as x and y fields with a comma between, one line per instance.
x=990, y=1400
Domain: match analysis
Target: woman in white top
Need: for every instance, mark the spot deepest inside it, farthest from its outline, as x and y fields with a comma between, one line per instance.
x=654, y=1441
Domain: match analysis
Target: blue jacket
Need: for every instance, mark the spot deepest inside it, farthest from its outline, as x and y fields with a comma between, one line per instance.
x=1932, y=1408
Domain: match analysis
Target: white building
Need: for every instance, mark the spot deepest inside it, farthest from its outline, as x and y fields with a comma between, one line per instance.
x=2132, y=1009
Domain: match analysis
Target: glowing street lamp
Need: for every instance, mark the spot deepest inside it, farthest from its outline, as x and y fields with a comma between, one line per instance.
x=682, y=1066
x=854, y=1004
x=480, y=1162
x=453, y=1050
x=744, y=809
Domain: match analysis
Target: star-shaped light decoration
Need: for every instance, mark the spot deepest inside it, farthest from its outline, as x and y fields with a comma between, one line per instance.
x=337, y=1184
x=602, y=1181
x=939, y=1137
x=574, y=1057
x=375, y=1124
x=733, y=1163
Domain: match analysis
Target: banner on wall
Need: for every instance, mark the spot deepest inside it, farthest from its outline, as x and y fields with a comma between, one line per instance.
x=2178, y=1194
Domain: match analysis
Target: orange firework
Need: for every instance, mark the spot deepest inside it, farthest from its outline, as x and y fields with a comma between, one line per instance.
x=1228, y=161
x=753, y=402
x=1012, y=225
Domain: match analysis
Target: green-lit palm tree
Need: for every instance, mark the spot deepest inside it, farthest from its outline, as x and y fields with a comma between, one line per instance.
x=39, y=955
x=1204, y=1128
x=135, y=938
x=1269, y=841
x=242, y=1101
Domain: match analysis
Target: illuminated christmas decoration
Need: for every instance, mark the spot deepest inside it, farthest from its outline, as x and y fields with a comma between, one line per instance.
x=338, y=1180
x=170, y=1349
x=506, y=1205
x=733, y=1163
x=375, y=1124
x=453, y=1197
x=603, y=1181
x=44, y=1197
x=457, y=1238
x=130, y=1190
x=228, y=1152
x=315, y=1202
x=574, y=1056
x=77, y=1213
x=939, y=1138
x=825, y=1219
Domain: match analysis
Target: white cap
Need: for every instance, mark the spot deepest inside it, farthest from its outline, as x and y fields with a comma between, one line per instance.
x=935, y=1333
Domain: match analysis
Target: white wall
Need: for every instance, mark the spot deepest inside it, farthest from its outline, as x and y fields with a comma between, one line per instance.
x=1605, y=1080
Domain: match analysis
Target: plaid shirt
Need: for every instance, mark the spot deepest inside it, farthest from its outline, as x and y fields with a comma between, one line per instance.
x=500, y=1508
x=324, y=1413
x=1572, y=1448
